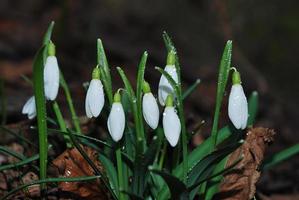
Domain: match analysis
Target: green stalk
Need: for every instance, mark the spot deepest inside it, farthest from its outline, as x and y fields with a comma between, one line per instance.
x=61, y=123
x=120, y=173
x=69, y=100
x=38, y=84
x=161, y=161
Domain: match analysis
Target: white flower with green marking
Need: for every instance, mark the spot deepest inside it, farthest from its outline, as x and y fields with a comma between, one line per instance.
x=237, y=103
x=171, y=123
x=116, y=120
x=51, y=74
x=150, y=107
x=29, y=108
x=95, y=100
x=165, y=87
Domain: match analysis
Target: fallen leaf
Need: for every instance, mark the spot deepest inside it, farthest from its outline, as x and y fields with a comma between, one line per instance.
x=240, y=182
x=71, y=164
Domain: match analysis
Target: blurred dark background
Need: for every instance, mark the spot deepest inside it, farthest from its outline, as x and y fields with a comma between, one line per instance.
x=266, y=48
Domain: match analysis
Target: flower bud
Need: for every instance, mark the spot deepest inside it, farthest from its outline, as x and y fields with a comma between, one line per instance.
x=29, y=108
x=150, y=107
x=237, y=103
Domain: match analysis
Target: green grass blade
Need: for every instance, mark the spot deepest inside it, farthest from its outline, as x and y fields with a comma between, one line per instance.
x=191, y=89
x=38, y=85
x=20, y=137
x=49, y=180
x=253, y=104
x=47, y=36
x=224, y=69
x=12, y=153
x=19, y=164
x=280, y=157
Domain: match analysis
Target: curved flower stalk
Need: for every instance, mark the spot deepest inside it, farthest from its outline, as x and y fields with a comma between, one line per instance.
x=51, y=74
x=237, y=103
x=116, y=119
x=150, y=107
x=29, y=108
x=165, y=87
x=171, y=122
x=94, y=101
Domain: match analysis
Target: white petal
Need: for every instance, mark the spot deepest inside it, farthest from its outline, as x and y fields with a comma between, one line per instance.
x=164, y=86
x=51, y=78
x=237, y=107
x=171, y=126
x=95, y=99
x=116, y=121
x=150, y=110
x=29, y=108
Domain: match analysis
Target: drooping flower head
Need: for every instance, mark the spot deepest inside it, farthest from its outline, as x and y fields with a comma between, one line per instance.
x=29, y=108
x=116, y=119
x=51, y=74
x=171, y=122
x=237, y=103
x=150, y=107
x=165, y=87
x=94, y=101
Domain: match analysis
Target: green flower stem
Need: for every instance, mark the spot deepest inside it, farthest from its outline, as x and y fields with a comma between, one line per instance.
x=120, y=173
x=161, y=161
x=62, y=124
x=69, y=100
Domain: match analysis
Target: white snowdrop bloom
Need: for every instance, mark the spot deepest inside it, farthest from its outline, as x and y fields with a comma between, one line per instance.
x=116, y=119
x=171, y=123
x=94, y=101
x=150, y=107
x=237, y=103
x=165, y=87
x=51, y=74
x=29, y=108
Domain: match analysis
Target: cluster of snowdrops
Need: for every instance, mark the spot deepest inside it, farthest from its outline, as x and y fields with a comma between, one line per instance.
x=95, y=100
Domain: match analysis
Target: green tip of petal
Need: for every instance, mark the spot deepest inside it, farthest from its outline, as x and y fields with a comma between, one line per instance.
x=171, y=58
x=146, y=87
x=169, y=101
x=51, y=49
x=96, y=73
x=236, y=78
x=117, y=97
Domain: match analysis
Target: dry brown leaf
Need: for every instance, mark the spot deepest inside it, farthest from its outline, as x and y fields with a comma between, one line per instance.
x=240, y=182
x=72, y=164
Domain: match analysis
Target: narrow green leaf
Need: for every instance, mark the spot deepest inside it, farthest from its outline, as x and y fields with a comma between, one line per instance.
x=47, y=36
x=19, y=136
x=191, y=89
x=111, y=172
x=12, y=153
x=105, y=72
x=19, y=164
x=252, y=108
x=170, y=80
x=38, y=83
x=176, y=186
x=132, y=195
x=49, y=180
x=205, y=167
x=224, y=68
x=280, y=157
x=196, y=155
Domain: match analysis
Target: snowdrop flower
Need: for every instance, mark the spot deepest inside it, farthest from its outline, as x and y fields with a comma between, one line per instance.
x=51, y=74
x=94, y=101
x=150, y=107
x=171, y=123
x=29, y=108
x=165, y=87
x=237, y=103
x=116, y=119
